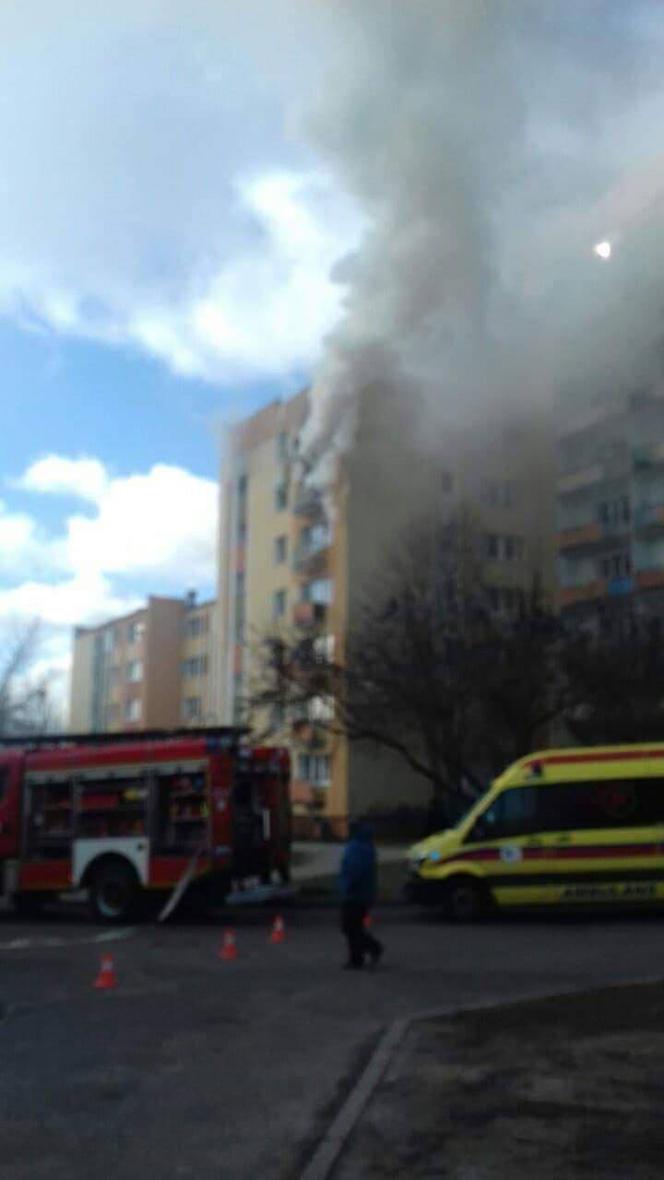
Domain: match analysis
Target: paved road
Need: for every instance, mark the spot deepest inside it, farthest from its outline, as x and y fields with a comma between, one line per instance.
x=195, y=1067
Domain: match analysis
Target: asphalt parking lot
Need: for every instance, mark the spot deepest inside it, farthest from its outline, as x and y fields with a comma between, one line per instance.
x=197, y=1067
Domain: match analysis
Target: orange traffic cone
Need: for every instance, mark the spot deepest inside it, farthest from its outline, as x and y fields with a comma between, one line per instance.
x=278, y=931
x=107, y=978
x=228, y=949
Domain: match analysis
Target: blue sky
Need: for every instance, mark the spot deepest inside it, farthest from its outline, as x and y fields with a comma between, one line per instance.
x=167, y=238
x=182, y=188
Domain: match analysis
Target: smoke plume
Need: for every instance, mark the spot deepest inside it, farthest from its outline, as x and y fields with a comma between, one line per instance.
x=491, y=144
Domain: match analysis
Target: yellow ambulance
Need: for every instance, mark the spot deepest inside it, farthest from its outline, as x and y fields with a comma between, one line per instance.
x=558, y=827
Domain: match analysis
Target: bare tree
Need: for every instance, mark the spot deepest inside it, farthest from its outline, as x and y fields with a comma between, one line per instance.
x=24, y=699
x=618, y=671
x=430, y=671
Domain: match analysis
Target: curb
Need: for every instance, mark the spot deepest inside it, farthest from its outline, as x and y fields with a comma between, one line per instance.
x=330, y=1147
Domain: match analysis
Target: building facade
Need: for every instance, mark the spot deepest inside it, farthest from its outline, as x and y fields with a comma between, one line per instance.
x=610, y=505
x=303, y=560
x=275, y=578
x=146, y=670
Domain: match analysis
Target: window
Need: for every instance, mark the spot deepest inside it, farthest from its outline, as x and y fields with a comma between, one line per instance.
x=196, y=666
x=616, y=565
x=615, y=512
x=512, y=814
x=109, y=640
x=318, y=591
x=280, y=550
x=512, y=548
x=191, y=708
x=492, y=546
x=498, y=493
x=133, y=709
x=279, y=604
x=314, y=769
x=281, y=497
x=282, y=445
x=503, y=548
x=134, y=671
x=321, y=709
x=324, y=648
x=563, y=807
x=4, y=784
x=277, y=715
x=196, y=625
x=135, y=631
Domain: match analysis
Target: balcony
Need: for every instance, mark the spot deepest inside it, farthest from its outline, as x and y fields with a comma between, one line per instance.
x=649, y=518
x=307, y=614
x=311, y=554
x=308, y=502
x=648, y=456
x=580, y=537
x=652, y=579
x=594, y=535
x=588, y=592
x=578, y=480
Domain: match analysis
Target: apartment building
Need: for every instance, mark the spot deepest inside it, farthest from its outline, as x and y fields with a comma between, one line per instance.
x=610, y=503
x=146, y=670
x=297, y=558
x=274, y=577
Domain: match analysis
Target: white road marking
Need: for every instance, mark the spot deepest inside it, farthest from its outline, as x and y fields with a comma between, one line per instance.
x=22, y=944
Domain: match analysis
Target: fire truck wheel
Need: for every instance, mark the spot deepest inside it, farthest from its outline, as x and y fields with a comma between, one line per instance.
x=114, y=891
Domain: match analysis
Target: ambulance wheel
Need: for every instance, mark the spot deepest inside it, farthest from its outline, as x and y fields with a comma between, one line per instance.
x=465, y=900
x=114, y=891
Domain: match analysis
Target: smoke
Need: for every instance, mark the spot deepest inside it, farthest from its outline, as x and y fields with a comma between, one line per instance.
x=491, y=144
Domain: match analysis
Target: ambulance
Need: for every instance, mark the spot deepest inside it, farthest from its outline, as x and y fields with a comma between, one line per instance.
x=566, y=827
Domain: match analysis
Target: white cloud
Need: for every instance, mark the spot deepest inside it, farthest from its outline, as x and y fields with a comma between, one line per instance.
x=152, y=532
x=153, y=192
x=54, y=474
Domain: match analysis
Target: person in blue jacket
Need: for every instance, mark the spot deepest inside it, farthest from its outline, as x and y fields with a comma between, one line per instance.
x=357, y=887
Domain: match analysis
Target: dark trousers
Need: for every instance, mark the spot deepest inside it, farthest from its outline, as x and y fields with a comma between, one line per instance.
x=360, y=941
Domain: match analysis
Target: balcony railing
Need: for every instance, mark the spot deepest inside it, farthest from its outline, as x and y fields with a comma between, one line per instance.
x=649, y=516
x=310, y=553
x=578, y=480
x=308, y=502
x=576, y=538
x=306, y=614
x=648, y=455
x=588, y=592
x=594, y=535
x=651, y=579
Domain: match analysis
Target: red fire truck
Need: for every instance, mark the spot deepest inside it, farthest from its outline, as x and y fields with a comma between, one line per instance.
x=118, y=814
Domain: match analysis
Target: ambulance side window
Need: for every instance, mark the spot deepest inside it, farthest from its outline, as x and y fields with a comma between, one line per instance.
x=513, y=813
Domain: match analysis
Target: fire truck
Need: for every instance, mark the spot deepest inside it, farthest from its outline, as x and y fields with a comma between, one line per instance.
x=122, y=814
